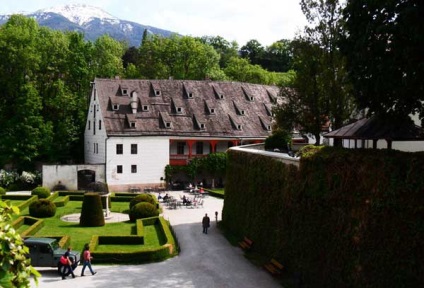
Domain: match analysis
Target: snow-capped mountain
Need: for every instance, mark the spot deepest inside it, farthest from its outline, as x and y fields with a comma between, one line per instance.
x=91, y=21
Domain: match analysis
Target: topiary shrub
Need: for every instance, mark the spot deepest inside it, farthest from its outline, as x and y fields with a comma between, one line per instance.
x=42, y=208
x=143, y=210
x=92, y=211
x=41, y=192
x=142, y=198
x=2, y=191
x=308, y=150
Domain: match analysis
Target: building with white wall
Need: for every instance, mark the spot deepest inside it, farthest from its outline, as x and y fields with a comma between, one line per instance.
x=137, y=127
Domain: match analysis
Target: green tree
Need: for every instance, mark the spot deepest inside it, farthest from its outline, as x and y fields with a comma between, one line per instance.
x=178, y=57
x=15, y=267
x=321, y=89
x=253, y=50
x=325, y=18
x=277, y=57
x=303, y=106
x=215, y=164
x=383, y=43
x=107, y=57
x=24, y=132
x=240, y=69
x=225, y=49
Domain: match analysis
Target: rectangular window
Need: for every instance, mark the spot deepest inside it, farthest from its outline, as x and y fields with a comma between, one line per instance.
x=100, y=124
x=199, y=148
x=119, y=149
x=94, y=148
x=134, y=149
x=133, y=168
x=180, y=148
x=97, y=148
x=94, y=111
x=119, y=169
x=89, y=124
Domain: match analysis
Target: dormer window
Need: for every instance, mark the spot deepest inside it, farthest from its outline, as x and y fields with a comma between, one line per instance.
x=145, y=107
x=115, y=107
x=190, y=95
x=132, y=124
x=124, y=90
x=168, y=124
x=251, y=98
x=157, y=93
x=268, y=127
x=202, y=126
x=221, y=96
x=179, y=110
x=212, y=111
x=239, y=127
x=242, y=112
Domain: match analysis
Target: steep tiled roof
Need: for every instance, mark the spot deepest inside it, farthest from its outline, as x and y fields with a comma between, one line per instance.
x=186, y=105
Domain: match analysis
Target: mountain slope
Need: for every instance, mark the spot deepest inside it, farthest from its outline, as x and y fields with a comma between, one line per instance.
x=91, y=21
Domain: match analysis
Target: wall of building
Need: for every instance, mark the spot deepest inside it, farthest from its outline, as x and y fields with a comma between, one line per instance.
x=151, y=158
x=67, y=175
x=95, y=133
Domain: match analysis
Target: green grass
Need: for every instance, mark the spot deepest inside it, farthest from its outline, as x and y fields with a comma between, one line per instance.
x=216, y=192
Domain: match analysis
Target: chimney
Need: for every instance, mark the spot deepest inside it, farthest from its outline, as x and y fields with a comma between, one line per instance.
x=134, y=102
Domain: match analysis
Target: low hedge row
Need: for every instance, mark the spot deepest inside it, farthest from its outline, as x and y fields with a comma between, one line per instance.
x=144, y=255
x=35, y=225
x=62, y=202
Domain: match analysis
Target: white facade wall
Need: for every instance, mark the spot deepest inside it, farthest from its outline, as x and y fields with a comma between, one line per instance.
x=67, y=175
x=151, y=158
x=95, y=133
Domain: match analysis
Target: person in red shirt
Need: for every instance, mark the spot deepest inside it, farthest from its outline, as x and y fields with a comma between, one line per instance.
x=87, y=260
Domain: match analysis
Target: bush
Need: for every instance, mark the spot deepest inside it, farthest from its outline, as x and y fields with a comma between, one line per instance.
x=279, y=139
x=142, y=198
x=2, y=191
x=92, y=211
x=41, y=192
x=42, y=208
x=143, y=210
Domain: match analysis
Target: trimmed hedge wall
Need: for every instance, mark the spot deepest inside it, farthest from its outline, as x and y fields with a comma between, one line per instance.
x=345, y=218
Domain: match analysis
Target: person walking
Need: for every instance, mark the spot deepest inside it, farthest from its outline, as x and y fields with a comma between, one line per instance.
x=67, y=264
x=206, y=223
x=87, y=260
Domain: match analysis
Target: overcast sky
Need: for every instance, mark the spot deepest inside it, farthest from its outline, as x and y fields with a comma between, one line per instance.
x=241, y=20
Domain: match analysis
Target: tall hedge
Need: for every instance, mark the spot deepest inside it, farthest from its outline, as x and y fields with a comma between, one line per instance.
x=345, y=218
x=92, y=211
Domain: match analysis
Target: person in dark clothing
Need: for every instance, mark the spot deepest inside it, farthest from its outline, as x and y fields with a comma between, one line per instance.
x=66, y=261
x=206, y=223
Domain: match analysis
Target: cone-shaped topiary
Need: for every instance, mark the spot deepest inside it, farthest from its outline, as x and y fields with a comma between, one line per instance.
x=92, y=211
x=41, y=192
x=143, y=210
x=42, y=208
x=142, y=198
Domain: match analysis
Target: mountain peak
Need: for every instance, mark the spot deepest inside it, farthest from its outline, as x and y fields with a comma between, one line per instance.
x=80, y=13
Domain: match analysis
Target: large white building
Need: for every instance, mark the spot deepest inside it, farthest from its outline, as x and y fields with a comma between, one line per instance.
x=137, y=127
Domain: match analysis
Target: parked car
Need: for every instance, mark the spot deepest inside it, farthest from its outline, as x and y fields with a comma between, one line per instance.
x=45, y=252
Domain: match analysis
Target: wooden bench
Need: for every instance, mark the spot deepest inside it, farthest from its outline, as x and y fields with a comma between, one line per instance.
x=274, y=267
x=246, y=244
